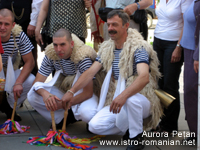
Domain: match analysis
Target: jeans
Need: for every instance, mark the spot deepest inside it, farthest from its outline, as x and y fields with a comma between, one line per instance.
x=169, y=81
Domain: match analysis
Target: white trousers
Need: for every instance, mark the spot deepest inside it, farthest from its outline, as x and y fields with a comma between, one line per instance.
x=137, y=108
x=84, y=111
x=26, y=87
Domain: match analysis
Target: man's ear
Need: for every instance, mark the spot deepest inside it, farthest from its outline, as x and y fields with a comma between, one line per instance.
x=13, y=24
x=127, y=25
x=72, y=44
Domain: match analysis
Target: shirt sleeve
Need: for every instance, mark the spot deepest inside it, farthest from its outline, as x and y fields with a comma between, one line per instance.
x=84, y=65
x=98, y=59
x=36, y=5
x=46, y=67
x=141, y=56
x=185, y=4
x=25, y=45
x=1, y=47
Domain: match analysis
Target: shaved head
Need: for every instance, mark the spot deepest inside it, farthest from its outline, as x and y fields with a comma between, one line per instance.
x=63, y=32
x=7, y=13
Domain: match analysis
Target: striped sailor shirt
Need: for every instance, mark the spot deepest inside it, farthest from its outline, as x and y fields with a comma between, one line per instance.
x=24, y=47
x=68, y=67
x=140, y=56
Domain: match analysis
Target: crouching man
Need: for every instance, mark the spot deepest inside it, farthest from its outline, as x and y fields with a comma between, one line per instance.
x=132, y=68
x=18, y=82
x=70, y=56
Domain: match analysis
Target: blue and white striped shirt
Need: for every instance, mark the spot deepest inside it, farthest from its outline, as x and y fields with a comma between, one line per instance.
x=23, y=43
x=69, y=68
x=140, y=56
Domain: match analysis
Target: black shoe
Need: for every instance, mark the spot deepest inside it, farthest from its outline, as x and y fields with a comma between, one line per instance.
x=139, y=140
x=126, y=135
x=21, y=105
x=16, y=117
x=87, y=128
x=5, y=108
x=70, y=120
x=58, y=126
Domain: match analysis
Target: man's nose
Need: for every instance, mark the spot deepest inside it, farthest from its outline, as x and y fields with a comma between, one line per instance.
x=110, y=27
x=2, y=26
x=59, y=48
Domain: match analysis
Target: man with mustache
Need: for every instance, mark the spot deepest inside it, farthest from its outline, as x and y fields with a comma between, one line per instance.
x=127, y=94
x=70, y=55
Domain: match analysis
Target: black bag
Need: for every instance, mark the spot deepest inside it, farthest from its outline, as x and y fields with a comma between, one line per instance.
x=103, y=12
x=45, y=37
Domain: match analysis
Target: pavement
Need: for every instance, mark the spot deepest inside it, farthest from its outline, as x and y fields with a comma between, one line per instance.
x=39, y=126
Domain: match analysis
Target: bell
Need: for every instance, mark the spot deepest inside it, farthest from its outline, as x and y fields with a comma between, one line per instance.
x=165, y=98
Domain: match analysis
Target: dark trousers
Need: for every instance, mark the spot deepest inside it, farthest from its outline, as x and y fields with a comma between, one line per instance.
x=169, y=81
x=190, y=91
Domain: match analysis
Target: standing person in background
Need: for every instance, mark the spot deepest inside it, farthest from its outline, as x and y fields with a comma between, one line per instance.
x=70, y=15
x=26, y=13
x=129, y=6
x=1, y=52
x=99, y=29
x=167, y=36
x=191, y=65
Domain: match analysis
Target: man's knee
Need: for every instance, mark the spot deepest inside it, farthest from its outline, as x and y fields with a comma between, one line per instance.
x=87, y=114
x=32, y=99
x=30, y=79
x=93, y=127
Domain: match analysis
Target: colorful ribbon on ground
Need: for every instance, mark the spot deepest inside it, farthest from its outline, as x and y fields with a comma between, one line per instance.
x=12, y=127
x=62, y=138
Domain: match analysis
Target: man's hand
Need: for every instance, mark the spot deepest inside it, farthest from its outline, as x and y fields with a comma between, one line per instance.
x=38, y=37
x=130, y=9
x=17, y=90
x=88, y=3
x=196, y=66
x=117, y=104
x=176, y=55
x=50, y=101
x=31, y=31
x=67, y=99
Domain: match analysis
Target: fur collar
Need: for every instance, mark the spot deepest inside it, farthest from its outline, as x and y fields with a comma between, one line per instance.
x=79, y=52
x=16, y=30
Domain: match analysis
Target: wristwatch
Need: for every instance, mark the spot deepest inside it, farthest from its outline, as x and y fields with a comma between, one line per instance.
x=138, y=6
x=179, y=45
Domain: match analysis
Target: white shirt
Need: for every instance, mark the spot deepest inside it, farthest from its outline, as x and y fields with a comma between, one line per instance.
x=118, y=3
x=170, y=21
x=36, y=4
